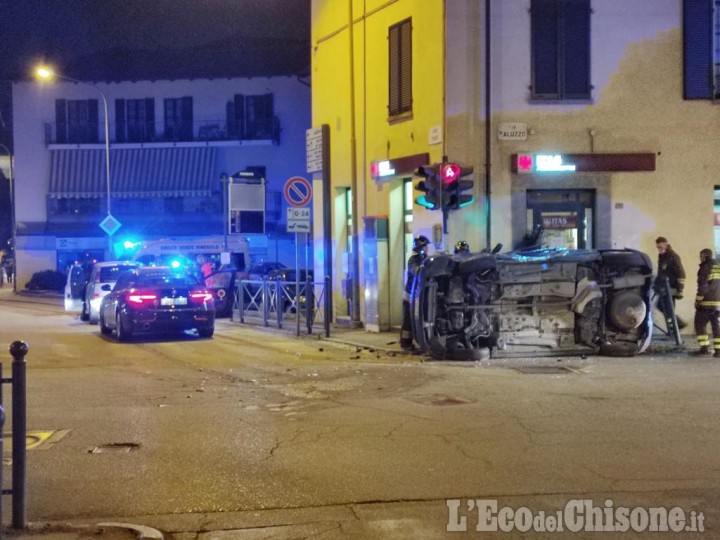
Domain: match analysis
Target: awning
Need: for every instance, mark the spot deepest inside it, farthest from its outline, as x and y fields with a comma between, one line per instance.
x=134, y=173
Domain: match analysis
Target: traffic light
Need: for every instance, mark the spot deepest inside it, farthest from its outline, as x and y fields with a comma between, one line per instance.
x=431, y=187
x=454, y=186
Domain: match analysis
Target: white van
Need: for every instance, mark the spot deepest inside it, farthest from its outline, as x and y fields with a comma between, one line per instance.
x=176, y=252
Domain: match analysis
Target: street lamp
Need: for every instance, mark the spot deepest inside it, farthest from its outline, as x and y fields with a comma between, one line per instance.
x=12, y=212
x=48, y=74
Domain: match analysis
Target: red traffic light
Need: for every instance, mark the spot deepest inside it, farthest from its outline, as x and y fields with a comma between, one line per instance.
x=450, y=172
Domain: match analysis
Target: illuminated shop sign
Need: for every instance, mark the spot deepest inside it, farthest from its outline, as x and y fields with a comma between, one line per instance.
x=389, y=168
x=562, y=163
x=382, y=169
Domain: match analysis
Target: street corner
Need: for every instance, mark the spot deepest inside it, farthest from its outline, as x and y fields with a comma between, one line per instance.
x=99, y=531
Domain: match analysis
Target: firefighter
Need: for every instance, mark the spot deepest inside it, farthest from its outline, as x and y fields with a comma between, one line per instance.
x=462, y=248
x=420, y=248
x=707, y=303
x=670, y=267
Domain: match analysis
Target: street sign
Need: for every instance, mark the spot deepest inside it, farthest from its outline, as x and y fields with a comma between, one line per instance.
x=314, y=149
x=110, y=225
x=298, y=191
x=298, y=220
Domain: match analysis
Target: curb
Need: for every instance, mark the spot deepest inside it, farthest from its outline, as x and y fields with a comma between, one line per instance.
x=61, y=530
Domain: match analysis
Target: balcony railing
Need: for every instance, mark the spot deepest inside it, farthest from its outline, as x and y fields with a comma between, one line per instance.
x=264, y=129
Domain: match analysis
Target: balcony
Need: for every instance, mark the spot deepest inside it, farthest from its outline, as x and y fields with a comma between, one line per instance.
x=210, y=132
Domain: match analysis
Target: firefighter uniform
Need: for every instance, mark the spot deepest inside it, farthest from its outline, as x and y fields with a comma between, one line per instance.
x=420, y=246
x=670, y=268
x=707, y=303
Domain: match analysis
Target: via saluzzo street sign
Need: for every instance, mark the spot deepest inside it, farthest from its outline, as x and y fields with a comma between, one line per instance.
x=298, y=193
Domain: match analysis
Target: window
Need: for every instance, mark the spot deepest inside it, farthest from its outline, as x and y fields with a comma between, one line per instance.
x=179, y=119
x=76, y=121
x=400, y=67
x=134, y=120
x=701, y=49
x=560, y=41
x=251, y=117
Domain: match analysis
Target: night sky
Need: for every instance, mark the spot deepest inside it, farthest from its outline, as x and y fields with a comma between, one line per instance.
x=141, y=39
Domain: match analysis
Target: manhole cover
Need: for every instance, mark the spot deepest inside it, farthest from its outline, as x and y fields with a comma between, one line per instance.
x=547, y=370
x=114, y=448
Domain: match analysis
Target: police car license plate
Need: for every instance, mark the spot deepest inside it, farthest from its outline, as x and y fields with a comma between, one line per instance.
x=179, y=301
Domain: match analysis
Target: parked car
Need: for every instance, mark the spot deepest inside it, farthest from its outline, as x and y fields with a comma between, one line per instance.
x=99, y=283
x=157, y=299
x=261, y=270
x=288, y=281
x=257, y=273
x=544, y=301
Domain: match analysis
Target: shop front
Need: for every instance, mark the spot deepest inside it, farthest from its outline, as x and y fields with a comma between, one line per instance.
x=568, y=196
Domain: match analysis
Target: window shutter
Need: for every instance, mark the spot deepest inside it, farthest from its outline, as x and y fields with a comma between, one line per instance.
x=560, y=38
x=576, y=49
x=239, y=101
x=544, y=33
x=92, y=121
x=406, y=67
x=697, y=49
x=61, y=120
x=400, y=68
x=149, y=119
x=187, y=118
x=120, y=120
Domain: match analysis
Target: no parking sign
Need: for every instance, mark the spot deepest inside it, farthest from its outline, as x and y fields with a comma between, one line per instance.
x=298, y=191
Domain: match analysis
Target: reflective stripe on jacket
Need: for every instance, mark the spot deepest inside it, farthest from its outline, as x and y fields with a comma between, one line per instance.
x=708, y=291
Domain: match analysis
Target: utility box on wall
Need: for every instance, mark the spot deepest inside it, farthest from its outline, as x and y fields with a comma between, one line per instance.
x=375, y=265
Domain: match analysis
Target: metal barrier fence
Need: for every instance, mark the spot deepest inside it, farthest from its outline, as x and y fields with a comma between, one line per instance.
x=279, y=303
x=18, y=350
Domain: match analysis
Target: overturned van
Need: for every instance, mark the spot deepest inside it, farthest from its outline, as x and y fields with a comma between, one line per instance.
x=533, y=303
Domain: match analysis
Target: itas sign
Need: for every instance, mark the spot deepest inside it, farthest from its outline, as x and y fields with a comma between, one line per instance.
x=559, y=222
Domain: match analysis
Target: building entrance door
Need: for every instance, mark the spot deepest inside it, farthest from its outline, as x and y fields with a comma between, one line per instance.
x=566, y=216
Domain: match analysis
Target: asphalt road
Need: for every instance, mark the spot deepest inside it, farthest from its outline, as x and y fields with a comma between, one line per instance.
x=254, y=425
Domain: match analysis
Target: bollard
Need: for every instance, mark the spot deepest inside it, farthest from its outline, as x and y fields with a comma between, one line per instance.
x=18, y=350
x=328, y=304
x=265, y=301
x=309, y=303
x=279, y=300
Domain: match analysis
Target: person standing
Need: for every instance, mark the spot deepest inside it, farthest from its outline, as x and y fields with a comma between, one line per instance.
x=420, y=248
x=670, y=267
x=707, y=303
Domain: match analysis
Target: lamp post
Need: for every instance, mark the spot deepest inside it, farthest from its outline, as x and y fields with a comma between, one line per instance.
x=48, y=74
x=12, y=211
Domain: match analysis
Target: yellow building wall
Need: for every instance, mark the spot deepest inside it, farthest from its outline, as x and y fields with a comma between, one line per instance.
x=368, y=126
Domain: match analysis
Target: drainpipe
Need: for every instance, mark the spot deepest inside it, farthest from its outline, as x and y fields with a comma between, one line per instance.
x=355, y=314
x=488, y=131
